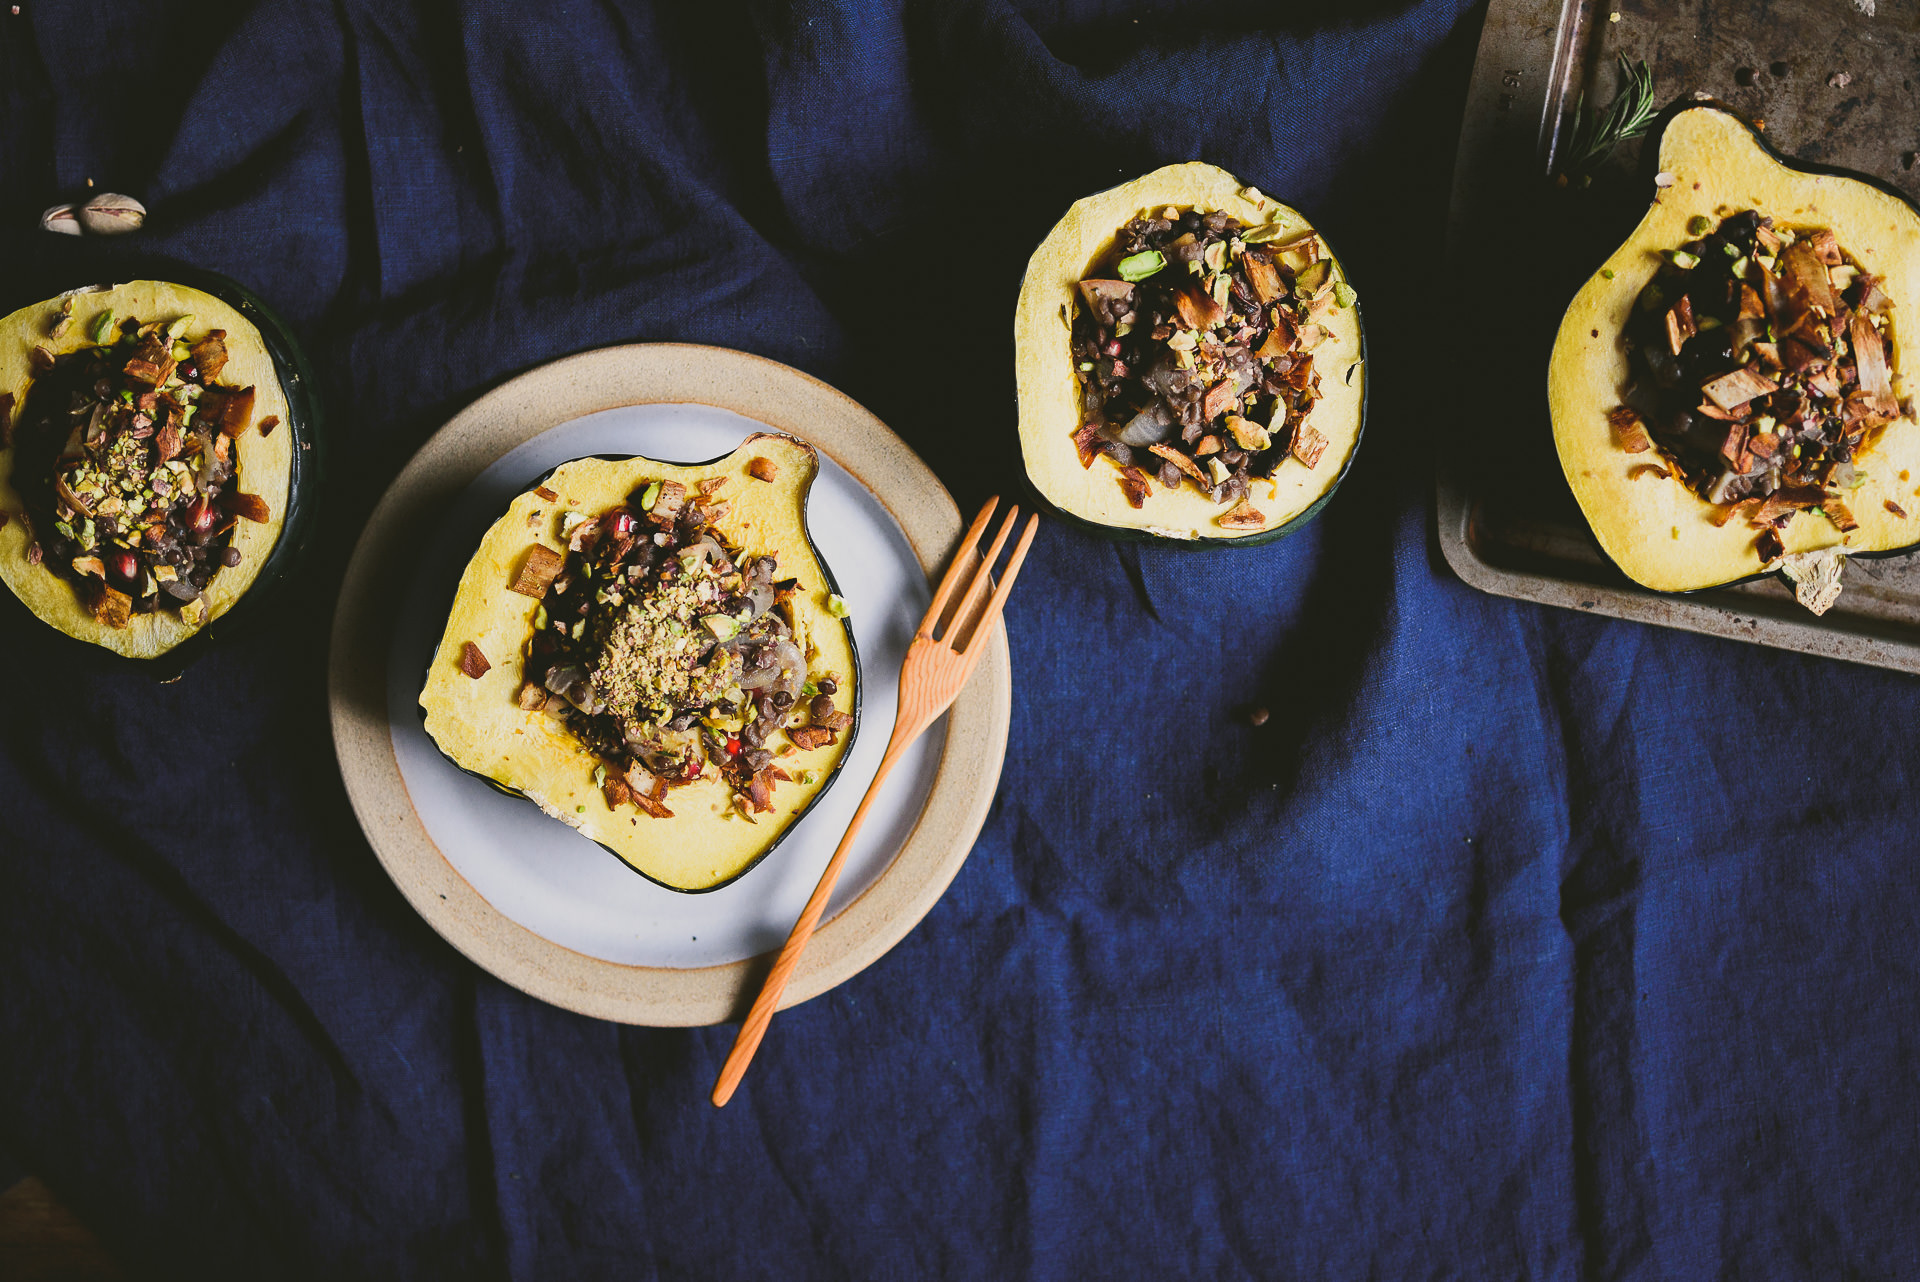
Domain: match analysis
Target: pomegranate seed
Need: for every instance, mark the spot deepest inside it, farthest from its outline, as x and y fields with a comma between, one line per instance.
x=200, y=518
x=623, y=522
x=1113, y=347
x=125, y=566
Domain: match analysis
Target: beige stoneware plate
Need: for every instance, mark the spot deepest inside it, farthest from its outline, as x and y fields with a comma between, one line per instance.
x=528, y=899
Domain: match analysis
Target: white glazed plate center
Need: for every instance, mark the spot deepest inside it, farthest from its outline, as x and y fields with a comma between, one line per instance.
x=561, y=886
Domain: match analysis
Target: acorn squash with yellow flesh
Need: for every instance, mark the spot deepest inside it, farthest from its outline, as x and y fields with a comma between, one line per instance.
x=1662, y=534
x=691, y=836
x=267, y=465
x=1182, y=498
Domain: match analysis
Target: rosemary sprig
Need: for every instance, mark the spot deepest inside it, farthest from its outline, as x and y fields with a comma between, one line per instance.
x=1629, y=115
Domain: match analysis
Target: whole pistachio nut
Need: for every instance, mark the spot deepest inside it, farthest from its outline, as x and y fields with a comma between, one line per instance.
x=111, y=214
x=63, y=219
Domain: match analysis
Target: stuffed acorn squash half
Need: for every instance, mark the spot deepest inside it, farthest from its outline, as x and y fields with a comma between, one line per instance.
x=151, y=442
x=1729, y=392
x=1190, y=362
x=654, y=655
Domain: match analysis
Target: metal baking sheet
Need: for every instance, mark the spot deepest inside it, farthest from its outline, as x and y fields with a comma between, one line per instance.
x=1833, y=81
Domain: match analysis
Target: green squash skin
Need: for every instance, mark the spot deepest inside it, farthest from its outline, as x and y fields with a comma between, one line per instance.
x=1120, y=534
x=305, y=421
x=1650, y=167
x=833, y=776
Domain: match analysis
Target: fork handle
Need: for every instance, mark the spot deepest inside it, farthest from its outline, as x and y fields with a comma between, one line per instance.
x=754, y=1027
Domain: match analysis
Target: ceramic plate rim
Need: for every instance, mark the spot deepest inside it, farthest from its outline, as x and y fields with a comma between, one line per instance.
x=514, y=412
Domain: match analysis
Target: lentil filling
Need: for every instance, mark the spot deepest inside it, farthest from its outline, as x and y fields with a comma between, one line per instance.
x=666, y=650
x=124, y=456
x=1761, y=372
x=1194, y=347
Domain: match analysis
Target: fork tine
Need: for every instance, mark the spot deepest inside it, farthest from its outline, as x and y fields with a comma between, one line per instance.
x=957, y=570
x=977, y=590
x=992, y=612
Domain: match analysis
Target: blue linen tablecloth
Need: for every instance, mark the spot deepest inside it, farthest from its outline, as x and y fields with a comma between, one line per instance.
x=1514, y=944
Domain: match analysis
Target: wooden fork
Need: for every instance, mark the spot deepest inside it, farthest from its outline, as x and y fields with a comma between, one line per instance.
x=930, y=680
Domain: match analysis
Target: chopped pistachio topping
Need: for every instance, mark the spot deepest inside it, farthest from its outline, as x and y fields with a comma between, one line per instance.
x=1137, y=267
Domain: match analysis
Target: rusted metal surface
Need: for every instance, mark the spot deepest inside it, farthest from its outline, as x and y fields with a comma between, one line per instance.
x=1834, y=81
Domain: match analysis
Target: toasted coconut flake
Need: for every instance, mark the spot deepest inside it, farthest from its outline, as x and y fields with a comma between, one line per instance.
x=1870, y=357
x=1750, y=304
x=1626, y=424
x=1639, y=470
x=472, y=662
x=763, y=469
x=1277, y=344
x=1680, y=325
x=1805, y=278
x=152, y=362
x=1769, y=353
x=1783, y=503
x=1744, y=509
x=1207, y=445
x=112, y=606
x=542, y=492
x=1242, y=516
x=667, y=504
x=533, y=696
x=615, y=790
x=1894, y=508
x=1769, y=546
x=1134, y=482
x=1263, y=275
x=1871, y=298
x=1711, y=410
x=248, y=507
x=1863, y=411
x=1839, y=513
x=1197, y=309
x=228, y=409
x=807, y=738
x=537, y=573
x=1825, y=247
x=1182, y=462
x=210, y=355
x=1734, y=448
x=1219, y=399
x=1731, y=391
x=1308, y=445
x=651, y=804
